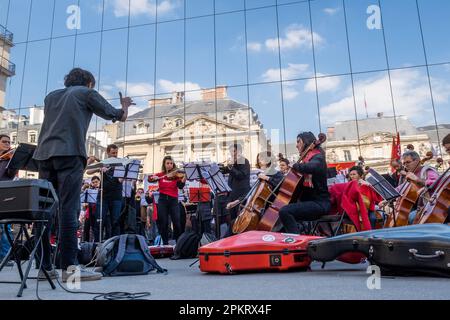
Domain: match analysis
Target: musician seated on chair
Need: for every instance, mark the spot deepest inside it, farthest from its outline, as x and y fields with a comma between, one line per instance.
x=266, y=163
x=283, y=163
x=368, y=194
x=414, y=171
x=314, y=200
x=446, y=145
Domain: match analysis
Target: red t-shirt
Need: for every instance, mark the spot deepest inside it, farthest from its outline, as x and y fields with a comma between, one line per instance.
x=168, y=186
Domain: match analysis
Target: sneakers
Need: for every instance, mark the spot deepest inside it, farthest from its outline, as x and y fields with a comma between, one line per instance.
x=85, y=275
x=53, y=274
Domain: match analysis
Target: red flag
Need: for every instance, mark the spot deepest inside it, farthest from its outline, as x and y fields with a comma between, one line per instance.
x=396, y=152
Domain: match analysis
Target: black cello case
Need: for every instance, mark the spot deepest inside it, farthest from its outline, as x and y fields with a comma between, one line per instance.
x=405, y=251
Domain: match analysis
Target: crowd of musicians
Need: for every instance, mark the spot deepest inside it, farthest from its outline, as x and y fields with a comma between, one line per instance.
x=62, y=160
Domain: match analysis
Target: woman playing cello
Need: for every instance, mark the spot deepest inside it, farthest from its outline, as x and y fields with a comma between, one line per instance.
x=314, y=199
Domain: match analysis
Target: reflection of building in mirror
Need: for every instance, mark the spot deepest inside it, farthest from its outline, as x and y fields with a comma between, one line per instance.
x=374, y=142
x=190, y=130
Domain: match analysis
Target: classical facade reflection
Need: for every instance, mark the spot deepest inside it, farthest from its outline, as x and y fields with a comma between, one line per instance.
x=189, y=130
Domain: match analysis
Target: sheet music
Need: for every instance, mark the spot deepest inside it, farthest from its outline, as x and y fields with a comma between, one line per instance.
x=110, y=162
x=89, y=196
x=129, y=169
x=382, y=186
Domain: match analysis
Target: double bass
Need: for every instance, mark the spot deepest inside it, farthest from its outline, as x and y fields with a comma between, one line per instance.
x=410, y=192
x=437, y=207
x=288, y=191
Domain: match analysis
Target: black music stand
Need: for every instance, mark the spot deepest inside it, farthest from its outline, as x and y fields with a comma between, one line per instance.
x=219, y=186
x=23, y=158
x=41, y=226
x=197, y=172
x=383, y=188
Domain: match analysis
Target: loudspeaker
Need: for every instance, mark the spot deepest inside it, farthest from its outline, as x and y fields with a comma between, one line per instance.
x=27, y=200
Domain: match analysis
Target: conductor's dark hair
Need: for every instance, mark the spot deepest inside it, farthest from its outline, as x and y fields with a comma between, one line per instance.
x=79, y=77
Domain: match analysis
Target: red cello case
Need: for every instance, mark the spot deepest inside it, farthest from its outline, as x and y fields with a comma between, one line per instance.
x=256, y=251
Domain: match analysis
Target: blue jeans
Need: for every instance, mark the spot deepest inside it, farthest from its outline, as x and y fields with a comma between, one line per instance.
x=4, y=243
x=110, y=218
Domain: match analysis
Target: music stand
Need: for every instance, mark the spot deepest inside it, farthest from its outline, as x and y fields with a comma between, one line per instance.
x=89, y=196
x=23, y=158
x=196, y=171
x=383, y=188
x=218, y=186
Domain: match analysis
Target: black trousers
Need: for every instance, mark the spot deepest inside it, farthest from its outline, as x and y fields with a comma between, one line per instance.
x=66, y=175
x=302, y=211
x=168, y=206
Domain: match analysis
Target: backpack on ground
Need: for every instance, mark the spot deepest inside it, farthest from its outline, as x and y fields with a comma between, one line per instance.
x=126, y=255
x=187, y=246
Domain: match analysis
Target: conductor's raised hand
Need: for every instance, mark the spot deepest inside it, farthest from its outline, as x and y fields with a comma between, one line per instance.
x=126, y=102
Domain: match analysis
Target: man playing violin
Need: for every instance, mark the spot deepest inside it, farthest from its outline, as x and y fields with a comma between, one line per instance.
x=5, y=175
x=5, y=152
x=314, y=200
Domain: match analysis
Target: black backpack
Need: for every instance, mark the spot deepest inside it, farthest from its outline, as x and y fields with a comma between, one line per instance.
x=187, y=246
x=126, y=255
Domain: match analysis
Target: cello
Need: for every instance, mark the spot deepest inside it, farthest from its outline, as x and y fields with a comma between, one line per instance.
x=249, y=217
x=287, y=192
x=436, y=209
x=410, y=192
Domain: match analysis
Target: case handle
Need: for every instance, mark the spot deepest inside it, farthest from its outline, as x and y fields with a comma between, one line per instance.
x=438, y=255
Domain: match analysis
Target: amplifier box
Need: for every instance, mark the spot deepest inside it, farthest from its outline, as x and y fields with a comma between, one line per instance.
x=27, y=199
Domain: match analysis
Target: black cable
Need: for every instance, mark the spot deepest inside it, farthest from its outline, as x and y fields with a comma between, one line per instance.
x=352, y=77
x=281, y=78
x=313, y=48
x=106, y=295
x=428, y=76
x=388, y=69
x=250, y=110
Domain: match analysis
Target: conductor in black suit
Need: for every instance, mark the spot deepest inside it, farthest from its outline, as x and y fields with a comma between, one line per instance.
x=238, y=169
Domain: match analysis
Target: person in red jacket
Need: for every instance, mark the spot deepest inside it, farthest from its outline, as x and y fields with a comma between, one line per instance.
x=169, y=183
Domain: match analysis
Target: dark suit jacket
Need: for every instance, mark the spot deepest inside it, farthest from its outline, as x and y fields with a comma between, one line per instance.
x=239, y=179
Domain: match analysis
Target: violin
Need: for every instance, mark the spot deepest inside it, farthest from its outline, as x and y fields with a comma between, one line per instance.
x=411, y=192
x=175, y=174
x=7, y=155
x=288, y=191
